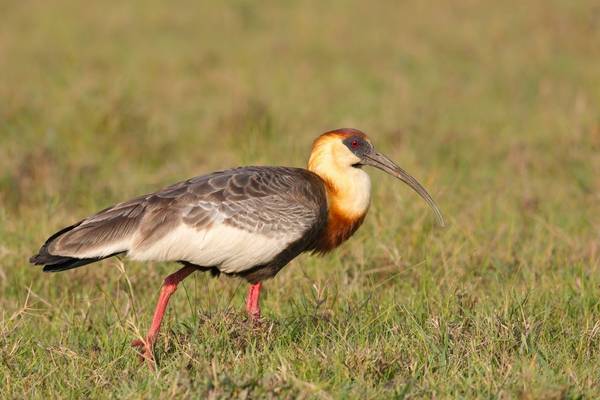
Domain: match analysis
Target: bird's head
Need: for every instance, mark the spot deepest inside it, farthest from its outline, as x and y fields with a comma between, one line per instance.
x=340, y=152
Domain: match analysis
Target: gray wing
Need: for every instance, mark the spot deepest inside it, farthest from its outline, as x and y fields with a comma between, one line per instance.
x=274, y=202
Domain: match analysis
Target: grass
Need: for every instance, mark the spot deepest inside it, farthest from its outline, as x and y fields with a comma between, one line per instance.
x=492, y=105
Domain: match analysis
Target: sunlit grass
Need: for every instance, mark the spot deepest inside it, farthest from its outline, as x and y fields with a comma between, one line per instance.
x=493, y=106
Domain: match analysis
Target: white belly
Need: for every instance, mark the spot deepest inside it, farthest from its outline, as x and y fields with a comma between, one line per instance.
x=227, y=248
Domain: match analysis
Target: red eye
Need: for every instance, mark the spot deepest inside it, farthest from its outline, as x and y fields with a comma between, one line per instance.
x=354, y=143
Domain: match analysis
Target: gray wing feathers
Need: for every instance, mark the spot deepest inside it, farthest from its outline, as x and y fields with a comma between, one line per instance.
x=273, y=202
x=110, y=226
x=267, y=200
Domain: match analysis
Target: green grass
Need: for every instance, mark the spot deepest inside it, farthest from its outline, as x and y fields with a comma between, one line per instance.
x=493, y=106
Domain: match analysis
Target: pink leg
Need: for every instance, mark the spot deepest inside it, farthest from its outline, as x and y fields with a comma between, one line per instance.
x=168, y=288
x=252, y=301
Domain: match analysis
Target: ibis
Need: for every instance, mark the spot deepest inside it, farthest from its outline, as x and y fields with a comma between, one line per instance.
x=247, y=222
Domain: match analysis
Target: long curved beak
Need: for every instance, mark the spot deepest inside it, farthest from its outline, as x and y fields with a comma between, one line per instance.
x=380, y=161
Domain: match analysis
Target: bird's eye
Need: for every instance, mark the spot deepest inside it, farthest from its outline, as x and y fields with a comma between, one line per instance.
x=354, y=143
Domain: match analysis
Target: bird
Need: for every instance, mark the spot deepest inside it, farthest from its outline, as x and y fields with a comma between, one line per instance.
x=247, y=222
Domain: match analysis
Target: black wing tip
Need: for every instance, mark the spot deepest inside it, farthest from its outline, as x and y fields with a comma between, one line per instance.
x=45, y=258
x=50, y=261
x=36, y=260
x=54, y=263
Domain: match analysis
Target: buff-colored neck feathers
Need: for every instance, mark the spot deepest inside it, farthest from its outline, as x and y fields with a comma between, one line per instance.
x=348, y=187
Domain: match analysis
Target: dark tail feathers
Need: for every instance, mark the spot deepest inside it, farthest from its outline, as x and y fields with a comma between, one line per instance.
x=54, y=263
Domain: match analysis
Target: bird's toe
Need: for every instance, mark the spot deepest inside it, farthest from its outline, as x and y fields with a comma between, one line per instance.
x=144, y=350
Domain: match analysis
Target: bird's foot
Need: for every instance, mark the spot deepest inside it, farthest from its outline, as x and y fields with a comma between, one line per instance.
x=144, y=348
x=254, y=317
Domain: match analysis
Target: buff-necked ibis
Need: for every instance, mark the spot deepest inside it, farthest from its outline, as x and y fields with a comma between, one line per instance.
x=248, y=222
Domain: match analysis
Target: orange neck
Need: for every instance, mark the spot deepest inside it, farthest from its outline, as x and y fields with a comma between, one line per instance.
x=340, y=226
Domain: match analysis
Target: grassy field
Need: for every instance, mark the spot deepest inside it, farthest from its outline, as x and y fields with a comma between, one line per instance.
x=494, y=106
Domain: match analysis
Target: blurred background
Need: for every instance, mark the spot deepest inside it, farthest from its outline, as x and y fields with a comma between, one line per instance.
x=493, y=106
